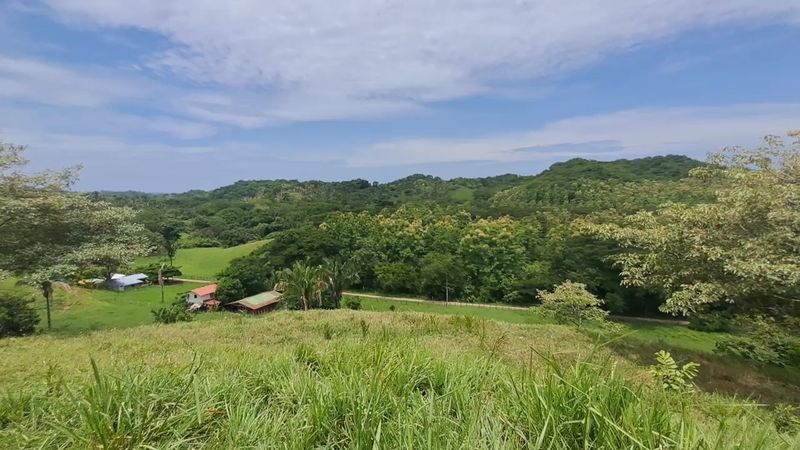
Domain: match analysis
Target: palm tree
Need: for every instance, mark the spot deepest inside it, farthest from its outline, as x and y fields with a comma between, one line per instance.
x=339, y=275
x=303, y=282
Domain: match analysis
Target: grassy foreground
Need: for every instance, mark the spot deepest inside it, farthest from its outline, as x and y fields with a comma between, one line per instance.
x=345, y=379
x=205, y=263
x=718, y=373
x=82, y=310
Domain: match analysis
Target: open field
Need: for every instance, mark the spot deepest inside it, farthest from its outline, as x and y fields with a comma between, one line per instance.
x=205, y=263
x=641, y=340
x=79, y=310
x=352, y=379
x=667, y=335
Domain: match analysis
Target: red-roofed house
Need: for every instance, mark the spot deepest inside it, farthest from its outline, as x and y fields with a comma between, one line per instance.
x=201, y=294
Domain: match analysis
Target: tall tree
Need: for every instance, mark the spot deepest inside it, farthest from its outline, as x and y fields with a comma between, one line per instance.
x=170, y=232
x=742, y=249
x=49, y=232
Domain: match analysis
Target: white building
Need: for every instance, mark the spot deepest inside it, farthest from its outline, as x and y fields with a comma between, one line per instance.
x=201, y=294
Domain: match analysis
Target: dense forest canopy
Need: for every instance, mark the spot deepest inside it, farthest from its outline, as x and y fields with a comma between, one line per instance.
x=488, y=239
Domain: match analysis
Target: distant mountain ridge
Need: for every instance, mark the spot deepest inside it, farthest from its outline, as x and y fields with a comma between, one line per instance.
x=668, y=167
x=251, y=210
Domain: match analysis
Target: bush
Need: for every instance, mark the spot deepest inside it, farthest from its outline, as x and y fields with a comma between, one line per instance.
x=764, y=340
x=571, y=303
x=176, y=312
x=672, y=377
x=786, y=418
x=17, y=316
x=352, y=303
x=711, y=322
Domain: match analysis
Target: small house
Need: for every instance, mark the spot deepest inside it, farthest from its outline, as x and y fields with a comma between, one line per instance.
x=120, y=282
x=201, y=295
x=259, y=303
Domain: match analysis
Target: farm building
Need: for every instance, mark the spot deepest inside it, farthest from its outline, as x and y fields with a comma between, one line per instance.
x=120, y=282
x=202, y=294
x=259, y=303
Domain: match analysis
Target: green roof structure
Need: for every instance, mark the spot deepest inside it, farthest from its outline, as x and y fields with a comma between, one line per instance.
x=259, y=301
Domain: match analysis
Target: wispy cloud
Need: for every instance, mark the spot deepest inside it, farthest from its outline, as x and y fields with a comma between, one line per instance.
x=638, y=132
x=31, y=80
x=356, y=58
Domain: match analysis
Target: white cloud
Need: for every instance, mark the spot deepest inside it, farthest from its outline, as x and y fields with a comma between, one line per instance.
x=181, y=129
x=631, y=133
x=32, y=80
x=82, y=100
x=318, y=60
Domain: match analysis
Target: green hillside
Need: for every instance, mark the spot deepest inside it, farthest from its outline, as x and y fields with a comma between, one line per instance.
x=204, y=263
x=352, y=380
x=251, y=210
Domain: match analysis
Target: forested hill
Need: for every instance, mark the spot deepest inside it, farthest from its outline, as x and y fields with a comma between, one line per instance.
x=268, y=201
x=423, y=217
x=248, y=210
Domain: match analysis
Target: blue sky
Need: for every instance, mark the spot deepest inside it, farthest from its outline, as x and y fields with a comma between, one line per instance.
x=171, y=95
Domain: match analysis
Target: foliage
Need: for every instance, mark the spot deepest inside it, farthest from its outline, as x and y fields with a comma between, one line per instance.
x=253, y=273
x=230, y=290
x=441, y=276
x=49, y=232
x=786, y=418
x=17, y=316
x=571, y=303
x=176, y=312
x=764, y=340
x=672, y=377
x=338, y=275
x=714, y=322
x=302, y=283
x=353, y=303
x=740, y=249
x=490, y=239
x=396, y=277
x=170, y=232
x=152, y=271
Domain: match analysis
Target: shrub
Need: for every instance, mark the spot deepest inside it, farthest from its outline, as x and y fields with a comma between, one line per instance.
x=17, y=316
x=176, y=312
x=672, y=377
x=570, y=302
x=764, y=340
x=786, y=418
x=352, y=303
x=711, y=322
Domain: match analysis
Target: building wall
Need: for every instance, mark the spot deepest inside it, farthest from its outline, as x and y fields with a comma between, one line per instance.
x=194, y=298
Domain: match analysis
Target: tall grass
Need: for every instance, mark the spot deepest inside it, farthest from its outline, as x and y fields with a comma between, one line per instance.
x=374, y=390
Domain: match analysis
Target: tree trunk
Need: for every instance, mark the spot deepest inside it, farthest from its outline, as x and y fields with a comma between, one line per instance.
x=47, y=290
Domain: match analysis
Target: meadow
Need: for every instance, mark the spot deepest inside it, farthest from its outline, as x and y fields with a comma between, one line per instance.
x=640, y=340
x=77, y=310
x=204, y=263
x=354, y=379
